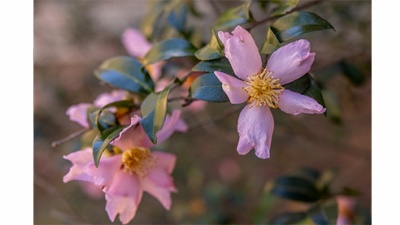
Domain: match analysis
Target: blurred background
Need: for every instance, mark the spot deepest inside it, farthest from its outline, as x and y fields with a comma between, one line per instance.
x=216, y=185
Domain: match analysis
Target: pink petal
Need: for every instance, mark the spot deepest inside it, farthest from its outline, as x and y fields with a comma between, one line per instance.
x=77, y=113
x=255, y=127
x=181, y=126
x=295, y=103
x=291, y=61
x=135, y=43
x=166, y=161
x=132, y=136
x=242, y=52
x=103, y=175
x=79, y=160
x=123, y=197
x=105, y=98
x=160, y=184
x=171, y=123
x=232, y=87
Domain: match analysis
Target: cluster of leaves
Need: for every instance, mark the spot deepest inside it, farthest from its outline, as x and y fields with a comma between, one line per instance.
x=314, y=189
x=130, y=74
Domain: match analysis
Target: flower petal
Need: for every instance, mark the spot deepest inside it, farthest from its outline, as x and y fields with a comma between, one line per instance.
x=255, y=127
x=155, y=70
x=291, y=61
x=79, y=160
x=77, y=113
x=135, y=43
x=171, y=124
x=123, y=197
x=232, y=87
x=105, y=98
x=242, y=52
x=166, y=161
x=295, y=103
x=103, y=175
x=132, y=136
x=160, y=184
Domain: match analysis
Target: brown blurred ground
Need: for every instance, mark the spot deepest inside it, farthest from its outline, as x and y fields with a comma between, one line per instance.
x=71, y=38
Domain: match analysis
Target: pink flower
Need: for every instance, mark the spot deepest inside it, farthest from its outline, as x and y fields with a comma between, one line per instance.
x=262, y=87
x=123, y=177
x=78, y=113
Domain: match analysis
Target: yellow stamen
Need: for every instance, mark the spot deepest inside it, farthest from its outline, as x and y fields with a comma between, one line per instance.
x=263, y=89
x=138, y=161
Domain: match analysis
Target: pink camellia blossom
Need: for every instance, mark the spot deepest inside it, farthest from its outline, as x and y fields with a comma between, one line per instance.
x=78, y=112
x=262, y=87
x=123, y=177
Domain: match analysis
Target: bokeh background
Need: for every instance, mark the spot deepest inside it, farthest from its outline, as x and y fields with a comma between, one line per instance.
x=216, y=185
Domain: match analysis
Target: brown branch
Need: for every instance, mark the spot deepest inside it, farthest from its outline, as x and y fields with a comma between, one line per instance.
x=69, y=137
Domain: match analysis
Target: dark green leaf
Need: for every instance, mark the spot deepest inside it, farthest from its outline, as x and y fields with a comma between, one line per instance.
x=100, y=114
x=153, y=111
x=167, y=49
x=300, y=85
x=288, y=218
x=177, y=17
x=298, y=23
x=352, y=73
x=234, y=16
x=284, y=7
x=207, y=87
x=101, y=121
x=271, y=43
x=125, y=73
x=308, y=173
x=295, y=188
x=324, y=213
x=315, y=92
x=212, y=50
x=102, y=140
x=150, y=22
x=88, y=137
x=221, y=64
x=306, y=85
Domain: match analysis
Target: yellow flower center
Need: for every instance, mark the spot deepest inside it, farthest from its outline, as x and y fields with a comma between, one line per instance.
x=138, y=161
x=263, y=89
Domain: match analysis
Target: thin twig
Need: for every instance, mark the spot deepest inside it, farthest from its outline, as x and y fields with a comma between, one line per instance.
x=306, y=5
x=69, y=137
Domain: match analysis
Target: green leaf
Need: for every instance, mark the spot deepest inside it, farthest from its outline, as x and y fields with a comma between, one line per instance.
x=221, y=64
x=100, y=121
x=154, y=111
x=324, y=213
x=234, y=16
x=177, y=17
x=212, y=50
x=125, y=73
x=300, y=85
x=207, y=87
x=296, y=188
x=169, y=48
x=117, y=104
x=88, y=137
x=150, y=22
x=271, y=43
x=102, y=140
x=288, y=218
x=298, y=23
x=315, y=92
x=306, y=85
x=352, y=73
x=284, y=7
